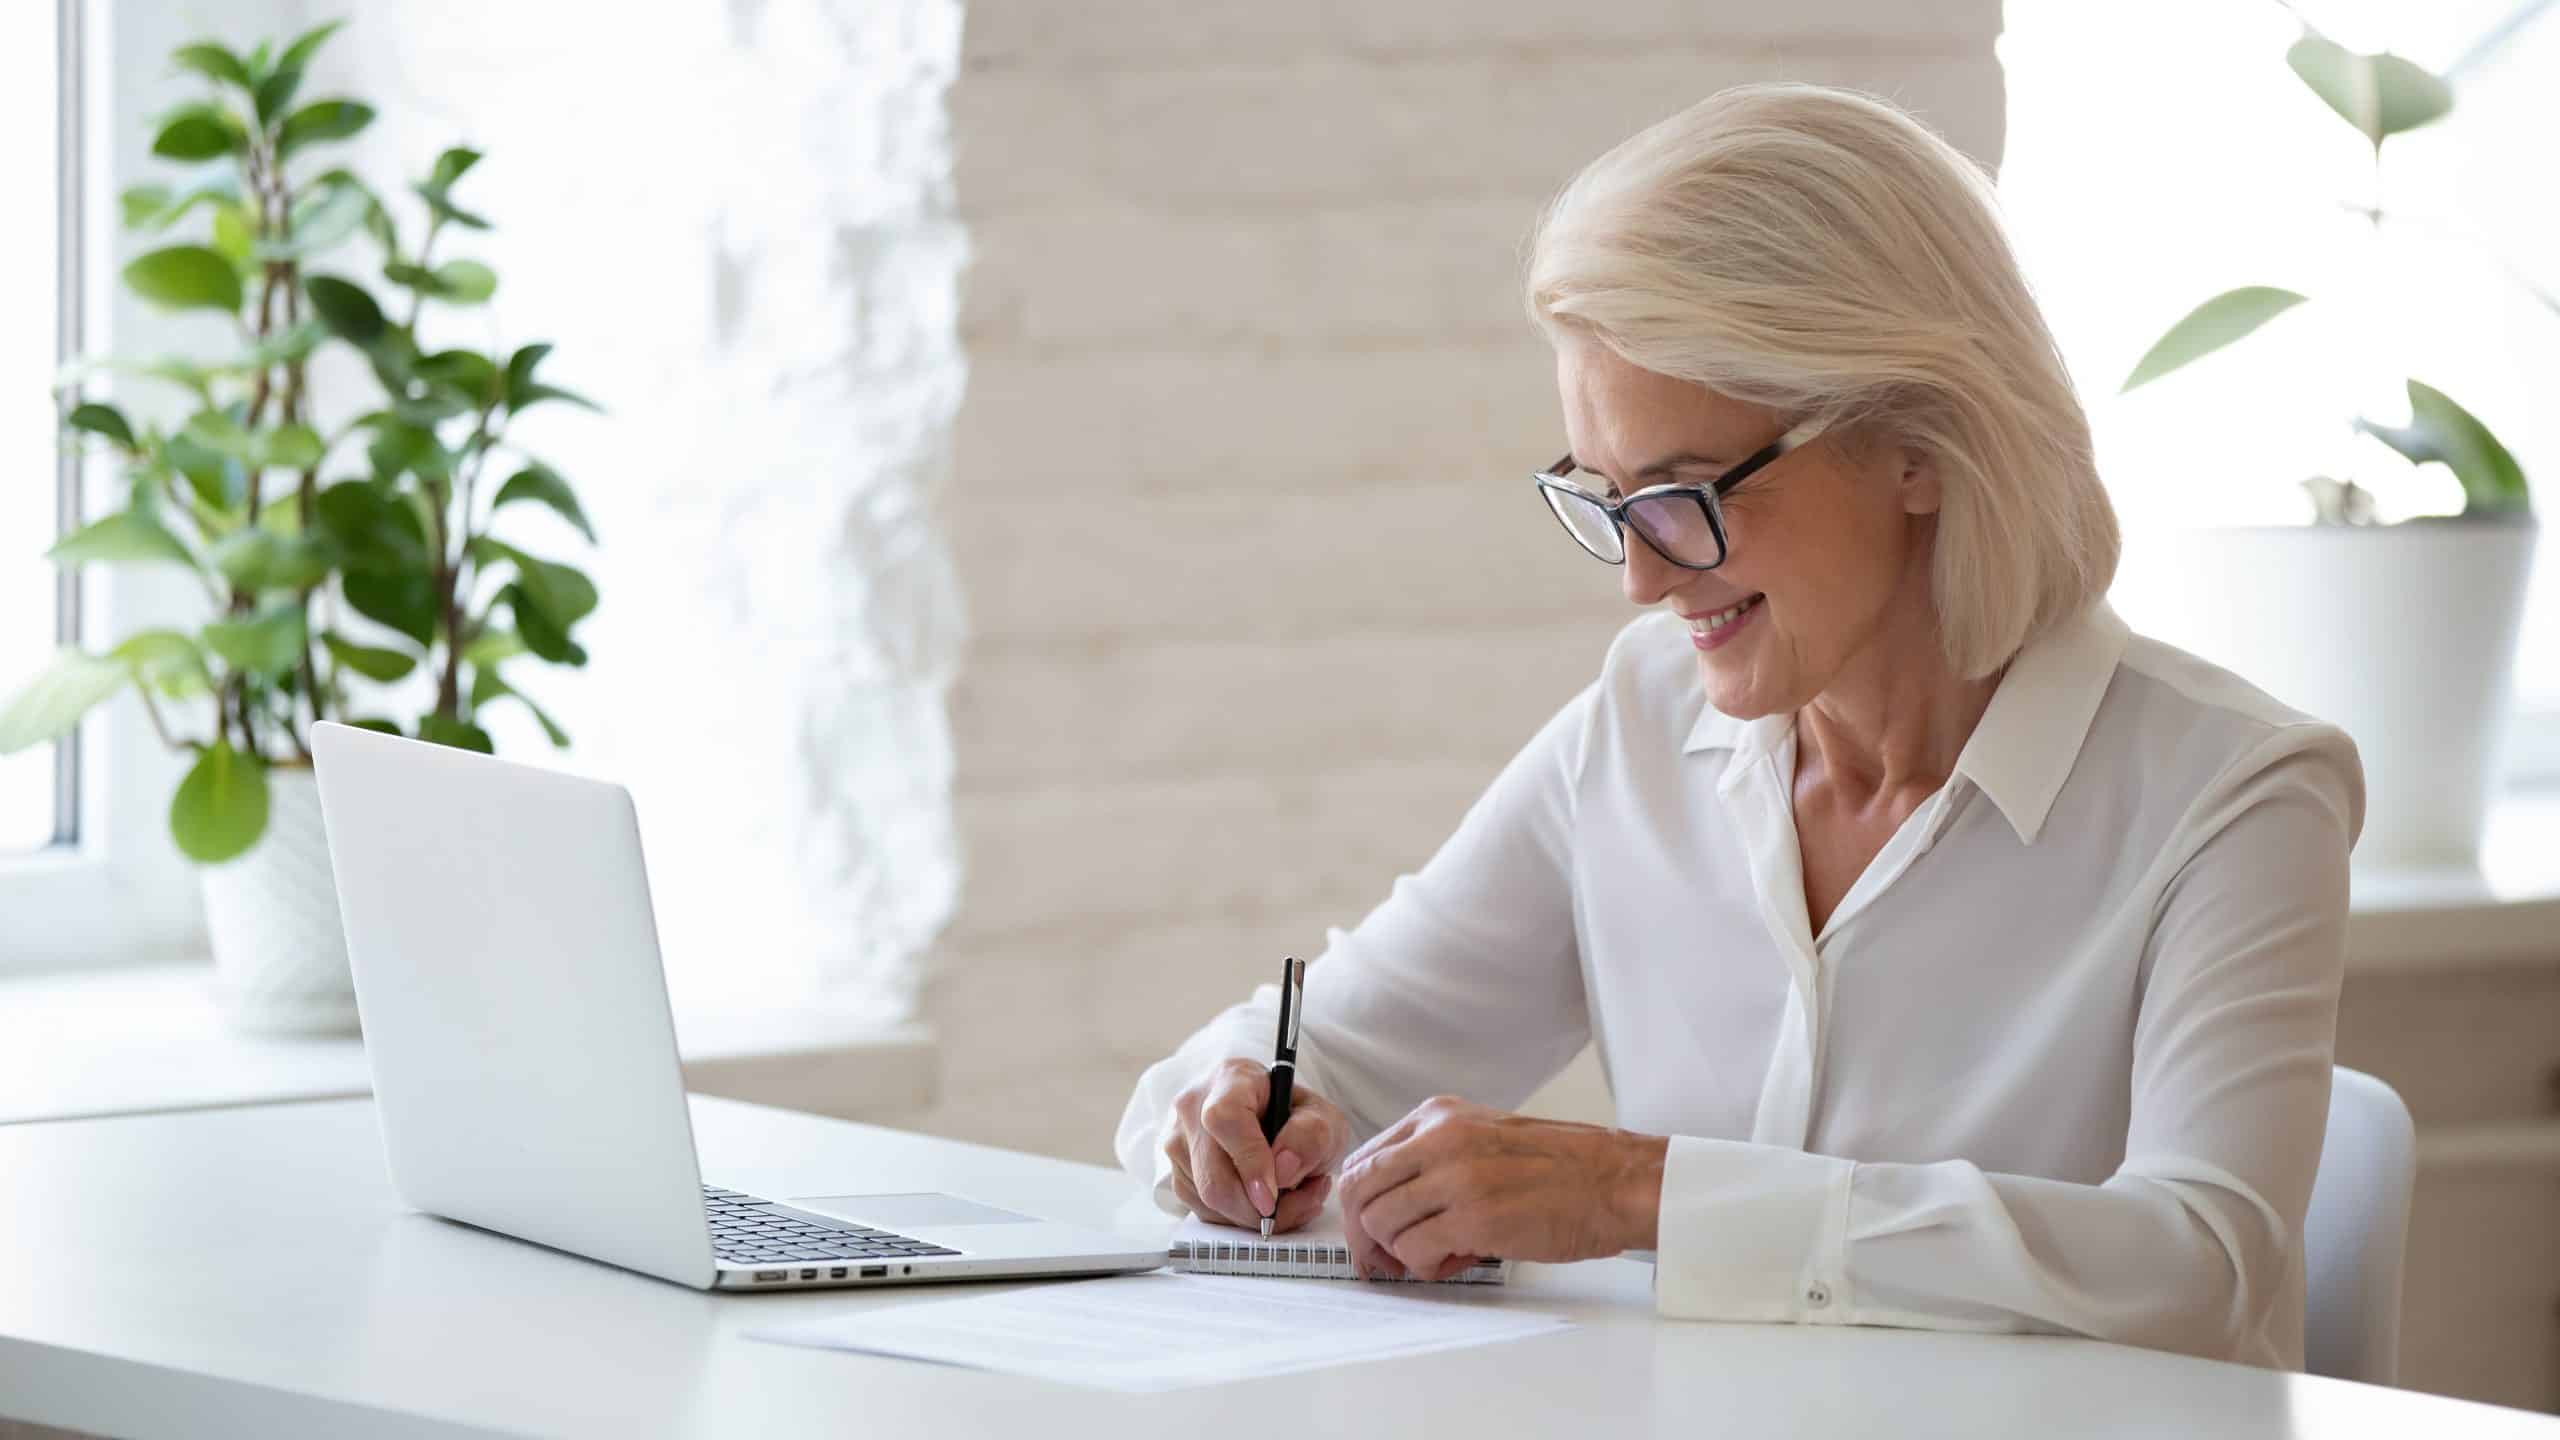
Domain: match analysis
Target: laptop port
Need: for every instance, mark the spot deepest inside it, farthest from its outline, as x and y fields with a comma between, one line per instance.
x=836, y=1274
x=809, y=1274
x=767, y=1276
x=874, y=1272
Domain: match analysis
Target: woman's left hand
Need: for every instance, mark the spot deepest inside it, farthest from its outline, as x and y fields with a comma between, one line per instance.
x=1453, y=1181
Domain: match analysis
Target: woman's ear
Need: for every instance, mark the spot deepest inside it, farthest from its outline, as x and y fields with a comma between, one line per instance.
x=1919, y=480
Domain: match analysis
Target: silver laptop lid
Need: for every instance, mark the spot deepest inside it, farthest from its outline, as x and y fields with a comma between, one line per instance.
x=514, y=1007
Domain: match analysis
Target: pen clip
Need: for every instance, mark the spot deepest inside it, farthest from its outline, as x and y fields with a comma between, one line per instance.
x=1293, y=990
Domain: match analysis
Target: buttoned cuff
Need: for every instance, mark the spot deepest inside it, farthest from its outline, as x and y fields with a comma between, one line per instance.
x=1752, y=1232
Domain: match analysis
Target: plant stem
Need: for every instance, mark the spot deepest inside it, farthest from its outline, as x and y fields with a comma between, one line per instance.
x=151, y=708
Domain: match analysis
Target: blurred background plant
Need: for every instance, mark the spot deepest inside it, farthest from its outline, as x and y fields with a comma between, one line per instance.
x=351, y=570
x=2380, y=95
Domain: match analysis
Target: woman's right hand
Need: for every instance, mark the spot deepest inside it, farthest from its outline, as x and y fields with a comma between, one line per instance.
x=1226, y=1172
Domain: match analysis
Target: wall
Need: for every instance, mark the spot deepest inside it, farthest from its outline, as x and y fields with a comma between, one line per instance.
x=1260, y=596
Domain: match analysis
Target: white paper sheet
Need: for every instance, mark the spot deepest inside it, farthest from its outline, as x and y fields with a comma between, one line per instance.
x=1168, y=1332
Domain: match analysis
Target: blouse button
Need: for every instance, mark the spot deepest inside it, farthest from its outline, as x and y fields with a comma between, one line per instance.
x=1817, y=1296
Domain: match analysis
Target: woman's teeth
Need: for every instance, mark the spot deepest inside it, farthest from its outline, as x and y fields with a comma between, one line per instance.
x=1722, y=618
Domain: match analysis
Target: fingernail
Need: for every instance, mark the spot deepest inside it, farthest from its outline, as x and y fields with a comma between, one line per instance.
x=1261, y=1196
x=1287, y=1162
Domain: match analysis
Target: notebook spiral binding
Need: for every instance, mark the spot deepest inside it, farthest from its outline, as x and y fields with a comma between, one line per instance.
x=1321, y=1262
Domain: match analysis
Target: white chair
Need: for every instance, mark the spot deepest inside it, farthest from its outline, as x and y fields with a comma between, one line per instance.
x=2357, y=1231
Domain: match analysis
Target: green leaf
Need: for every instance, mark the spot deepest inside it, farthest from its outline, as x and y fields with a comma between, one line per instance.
x=541, y=635
x=404, y=446
x=542, y=485
x=372, y=531
x=377, y=220
x=458, y=282
x=142, y=203
x=276, y=91
x=214, y=63
x=219, y=480
x=320, y=222
x=460, y=734
x=168, y=661
x=128, y=537
x=298, y=55
x=486, y=686
x=2441, y=431
x=217, y=431
x=535, y=392
x=345, y=308
x=491, y=646
x=254, y=559
x=155, y=207
x=466, y=282
x=322, y=120
x=266, y=644
x=2380, y=95
x=69, y=685
x=220, y=809
x=520, y=368
x=235, y=234
x=198, y=131
x=293, y=447
x=283, y=347
x=451, y=166
x=186, y=277
x=564, y=593
x=378, y=724
x=468, y=371
x=104, y=420
x=371, y=662
x=403, y=600
x=2210, y=326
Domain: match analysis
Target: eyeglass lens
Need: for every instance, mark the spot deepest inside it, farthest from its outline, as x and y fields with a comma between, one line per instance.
x=1675, y=525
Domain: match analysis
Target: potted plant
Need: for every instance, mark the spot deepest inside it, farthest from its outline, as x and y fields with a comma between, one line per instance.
x=2403, y=634
x=350, y=567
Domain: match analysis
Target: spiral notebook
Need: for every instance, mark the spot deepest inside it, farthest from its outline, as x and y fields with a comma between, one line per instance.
x=1316, y=1252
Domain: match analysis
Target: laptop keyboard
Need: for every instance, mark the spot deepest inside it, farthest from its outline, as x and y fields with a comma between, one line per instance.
x=748, y=1231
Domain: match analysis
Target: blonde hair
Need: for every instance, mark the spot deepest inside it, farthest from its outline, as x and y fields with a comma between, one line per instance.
x=1822, y=253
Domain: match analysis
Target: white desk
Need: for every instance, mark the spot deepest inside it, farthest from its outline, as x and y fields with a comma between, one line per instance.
x=248, y=1272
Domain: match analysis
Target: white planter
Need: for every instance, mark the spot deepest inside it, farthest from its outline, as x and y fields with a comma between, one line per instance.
x=279, y=951
x=2403, y=635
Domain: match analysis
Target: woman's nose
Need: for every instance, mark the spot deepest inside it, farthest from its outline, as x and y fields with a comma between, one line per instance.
x=1647, y=576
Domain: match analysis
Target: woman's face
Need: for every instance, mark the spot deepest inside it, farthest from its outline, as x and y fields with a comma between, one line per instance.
x=1828, y=546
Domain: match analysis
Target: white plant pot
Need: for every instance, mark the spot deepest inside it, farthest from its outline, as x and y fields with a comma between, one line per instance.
x=279, y=950
x=2402, y=635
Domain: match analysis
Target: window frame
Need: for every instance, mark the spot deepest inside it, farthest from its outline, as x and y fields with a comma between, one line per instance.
x=111, y=888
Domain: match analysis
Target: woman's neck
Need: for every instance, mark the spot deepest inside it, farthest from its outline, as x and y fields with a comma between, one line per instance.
x=1897, y=716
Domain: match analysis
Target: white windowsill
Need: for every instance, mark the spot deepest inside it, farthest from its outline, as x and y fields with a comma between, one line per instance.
x=149, y=1038
x=2505, y=911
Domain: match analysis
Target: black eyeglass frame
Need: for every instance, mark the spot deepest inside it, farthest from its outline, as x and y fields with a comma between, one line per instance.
x=1710, y=497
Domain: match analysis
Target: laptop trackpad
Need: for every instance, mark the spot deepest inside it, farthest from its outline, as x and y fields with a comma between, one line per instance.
x=907, y=1212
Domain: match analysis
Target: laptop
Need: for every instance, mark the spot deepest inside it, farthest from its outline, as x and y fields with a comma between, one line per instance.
x=524, y=1053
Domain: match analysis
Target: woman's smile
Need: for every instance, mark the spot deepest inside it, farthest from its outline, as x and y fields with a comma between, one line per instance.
x=1713, y=629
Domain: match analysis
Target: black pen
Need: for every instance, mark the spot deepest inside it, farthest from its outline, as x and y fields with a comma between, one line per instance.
x=1284, y=1060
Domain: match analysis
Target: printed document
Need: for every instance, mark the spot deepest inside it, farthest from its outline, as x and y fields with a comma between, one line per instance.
x=1168, y=1332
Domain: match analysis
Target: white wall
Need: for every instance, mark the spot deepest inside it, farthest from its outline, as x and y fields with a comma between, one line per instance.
x=1261, y=599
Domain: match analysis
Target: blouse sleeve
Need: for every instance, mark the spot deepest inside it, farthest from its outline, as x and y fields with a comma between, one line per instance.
x=2194, y=1238
x=1465, y=980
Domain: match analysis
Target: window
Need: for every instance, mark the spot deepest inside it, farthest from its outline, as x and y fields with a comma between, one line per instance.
x=2159, y=154
x=38, y=792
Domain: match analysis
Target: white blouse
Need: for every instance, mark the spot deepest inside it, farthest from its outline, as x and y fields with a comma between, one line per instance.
x=2059, y=1061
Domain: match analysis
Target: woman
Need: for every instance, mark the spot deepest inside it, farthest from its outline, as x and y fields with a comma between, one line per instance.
x=1956, y=958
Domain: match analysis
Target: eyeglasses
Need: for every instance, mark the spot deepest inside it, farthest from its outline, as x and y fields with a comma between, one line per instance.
x=1683, y=523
